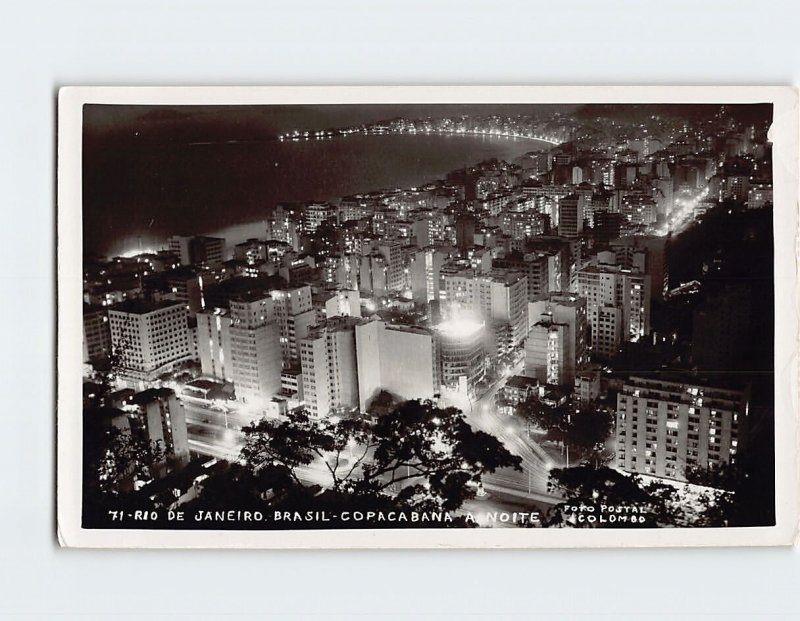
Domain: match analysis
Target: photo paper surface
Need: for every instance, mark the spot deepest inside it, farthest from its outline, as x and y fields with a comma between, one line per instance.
x=427, y=317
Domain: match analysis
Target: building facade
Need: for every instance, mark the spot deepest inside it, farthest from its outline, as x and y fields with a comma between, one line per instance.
x=255, y=350
x=214, y=343
x=295, y=314
x=150, y=337
x=556, y=346
x=665, y=427
x=159, y=416
x=329, y=367
x=618, y=305
x=399, y=359
x=96, y=333
x=462, y=355
x=498, y=298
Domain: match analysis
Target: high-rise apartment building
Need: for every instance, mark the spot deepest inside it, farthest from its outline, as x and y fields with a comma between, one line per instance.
x=607, y=226
x=200, y=249
x=295, y=315
x=542, y=269
x=330, y=371
x=255, y=349
x=372, y=275
x=150, y=337
x=339, y=303
x=252, y=251
x=159, y=416
x=498, y=298
x=646, y=254
x=424, y=272
x=285, y=225
x=179, y=246
x=556, y=346
x=465, y=232
x=182, y=284
x=638, y=209
x=399, y=359
x=96, y=333
x=618, y=304
x=570, y=216
x=392, y=253
x=462, y=354
x=207, y=250
x=214, y=343
x=315, y=214
x=665, y=426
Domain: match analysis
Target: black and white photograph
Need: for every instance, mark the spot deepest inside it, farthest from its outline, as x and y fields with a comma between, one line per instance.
x=420, y=310
x=364, y=318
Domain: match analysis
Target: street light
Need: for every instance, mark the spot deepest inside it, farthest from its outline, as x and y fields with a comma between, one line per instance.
x=530, y=477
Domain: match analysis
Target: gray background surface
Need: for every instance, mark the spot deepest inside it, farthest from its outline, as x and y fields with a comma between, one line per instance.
x=48, y=44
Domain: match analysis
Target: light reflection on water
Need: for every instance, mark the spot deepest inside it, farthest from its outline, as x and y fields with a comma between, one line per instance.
x=229, y=189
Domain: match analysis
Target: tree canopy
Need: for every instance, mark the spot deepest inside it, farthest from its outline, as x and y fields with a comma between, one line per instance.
x=417, y=456
x=592, y=495
x=584, y=430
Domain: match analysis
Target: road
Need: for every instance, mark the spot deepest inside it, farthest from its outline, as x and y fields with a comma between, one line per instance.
x=682, y=214
x=211, y=432
x=536, y=464
x=217, y=434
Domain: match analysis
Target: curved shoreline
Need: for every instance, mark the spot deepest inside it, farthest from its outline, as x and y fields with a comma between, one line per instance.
x=328, y=134
x=235, y=233
x=501, y=147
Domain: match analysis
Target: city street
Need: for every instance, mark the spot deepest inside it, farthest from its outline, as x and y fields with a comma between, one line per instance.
x=212, y=432
x=217, y=434
x=536, y=464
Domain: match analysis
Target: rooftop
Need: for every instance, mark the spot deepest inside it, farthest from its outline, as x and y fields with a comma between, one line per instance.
x=142, y=307
x=152, y=394
x=521, y=381
x=459, y=327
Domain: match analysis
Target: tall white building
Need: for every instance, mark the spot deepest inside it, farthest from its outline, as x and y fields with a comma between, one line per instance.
x=295, y=314
x=340, y=303
x=618, y=304
x=255, y=350
x=647, y=254
x=462, y=355
x=425, y=267
x=498, y=298
x=543, y=270
x=214, y=343
x=96, y=333
x=373, y=275
x=665, y=426
x=556, y=344
x=150, y=337
x=392, y=253
x=159, y=414
x=314, y=214
x=546, y=352
x=179, y=245
x=330, y=371
x=399, y=359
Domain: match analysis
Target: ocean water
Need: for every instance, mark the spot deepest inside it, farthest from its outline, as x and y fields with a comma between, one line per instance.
x=137, y=197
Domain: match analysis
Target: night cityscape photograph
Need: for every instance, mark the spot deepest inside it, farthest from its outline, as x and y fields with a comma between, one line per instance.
x=305, y=317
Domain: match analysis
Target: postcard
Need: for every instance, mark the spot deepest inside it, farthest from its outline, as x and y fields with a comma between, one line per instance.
x=432, y=317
